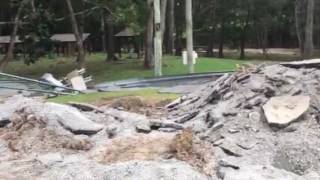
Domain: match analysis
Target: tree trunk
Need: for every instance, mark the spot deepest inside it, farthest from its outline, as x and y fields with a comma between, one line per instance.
x=9, y=55
x=210, y=45
x=103, y=32
x=111, y=55
x=163, y=18
x=308, y=46
x=178, y=44
x=243, y=37
x=210, y=52
x=264, y=40
x=81, y=53
x=189, y=33
x=221, y=41
x=157, y=39
x=33, y=6
x=242, y=44
x=148, y=57
x=81, y=18
x=299, y=15
x=171, y=22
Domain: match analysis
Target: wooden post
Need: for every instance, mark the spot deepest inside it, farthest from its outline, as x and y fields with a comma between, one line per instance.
x=189, y=33
x=157, y=39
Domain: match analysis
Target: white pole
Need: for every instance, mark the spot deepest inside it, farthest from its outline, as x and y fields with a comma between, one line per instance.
x=157, y=39
x=189, y=33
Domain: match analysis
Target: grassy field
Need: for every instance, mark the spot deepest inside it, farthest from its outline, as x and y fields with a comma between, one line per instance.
x=124, y=69
x=150, y=94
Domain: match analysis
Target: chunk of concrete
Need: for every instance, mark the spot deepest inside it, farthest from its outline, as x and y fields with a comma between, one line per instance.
x=71, y=119
x=281, y=111
x=143, y=127
x=10, y=106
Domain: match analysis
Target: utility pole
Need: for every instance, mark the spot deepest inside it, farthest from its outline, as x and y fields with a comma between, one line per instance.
x=157, y=39
x=189, y=33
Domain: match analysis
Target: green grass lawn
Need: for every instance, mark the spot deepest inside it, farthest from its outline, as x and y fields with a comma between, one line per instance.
x=124, y=69
x=150, y=94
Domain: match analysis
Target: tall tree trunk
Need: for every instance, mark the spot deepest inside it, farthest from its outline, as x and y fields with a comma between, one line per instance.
x=299, y=15
x=242, y=44
x=221, y=40
x=171, y=22
x=264, y=40
x=189, y=33
x=103, y=32
x=81, y=18
x=33, y=6
x=148, y=57
x=163, y=12
x=81, y=53
x=157, y=39
x=308, y=46
x=111, y=55
x=210, y=52
x=9, y=55
x=243, y=37
x=178, y=44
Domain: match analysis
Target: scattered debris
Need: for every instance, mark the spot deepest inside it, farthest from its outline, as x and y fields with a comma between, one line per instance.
x=225, y=130
x=238, y=113
x=76, y=80
x=45, y=85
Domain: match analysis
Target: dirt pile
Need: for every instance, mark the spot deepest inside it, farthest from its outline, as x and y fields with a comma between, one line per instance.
x=136, y=104
x=43, y=140
x=259, y=123
x=29, y=133
x=147, y=147
x=266, y=116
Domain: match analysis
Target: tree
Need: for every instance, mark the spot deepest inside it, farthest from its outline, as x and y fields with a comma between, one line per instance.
x=211, y=27
x=300, y=23
x=111, y=48
x=308, y=46
x=148, y=57
x=224, y=9
x=103, y=31
x=189, y=32
x=75, y=27
x=171, y=26
x=157, y=39
x=9, y=55
x=163, y=12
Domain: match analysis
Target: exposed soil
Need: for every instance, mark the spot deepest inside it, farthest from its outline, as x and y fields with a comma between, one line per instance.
x=136, y=104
